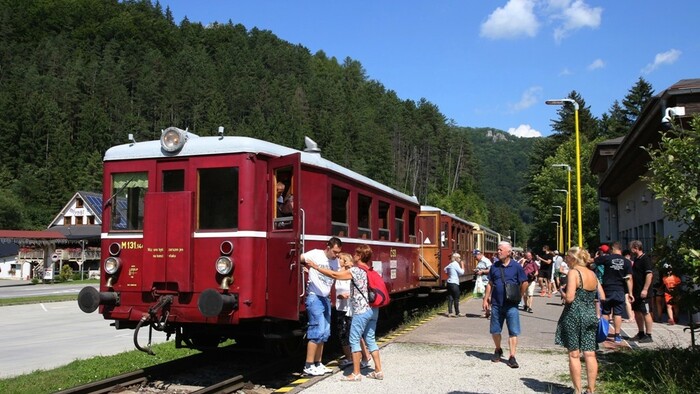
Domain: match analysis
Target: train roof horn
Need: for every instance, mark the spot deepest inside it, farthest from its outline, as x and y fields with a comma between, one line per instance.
x=311, y=146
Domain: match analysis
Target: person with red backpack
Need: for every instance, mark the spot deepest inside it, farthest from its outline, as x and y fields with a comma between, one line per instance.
x=364, y=313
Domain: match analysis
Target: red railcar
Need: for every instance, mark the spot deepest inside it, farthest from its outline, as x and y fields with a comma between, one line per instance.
x=195, y=241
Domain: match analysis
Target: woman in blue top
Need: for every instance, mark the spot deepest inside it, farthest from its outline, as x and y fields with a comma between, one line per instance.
x=454, y=270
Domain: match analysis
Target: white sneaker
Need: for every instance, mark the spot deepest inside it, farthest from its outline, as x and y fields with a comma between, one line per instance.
x=344, y=363
x=364, y=364
x=323, y=369
x=313, y=371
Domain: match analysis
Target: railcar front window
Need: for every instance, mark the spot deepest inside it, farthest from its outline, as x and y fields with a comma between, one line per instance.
x=173, y=181
x=218, y=198
x=412, y=226
x=398, y=224
x=128, y=192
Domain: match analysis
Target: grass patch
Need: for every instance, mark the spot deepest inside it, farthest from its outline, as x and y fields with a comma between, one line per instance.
x=80, y=372
x=668, y=371
x=38, y=299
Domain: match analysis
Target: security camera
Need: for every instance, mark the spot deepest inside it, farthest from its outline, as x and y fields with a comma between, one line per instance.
x=669, y=114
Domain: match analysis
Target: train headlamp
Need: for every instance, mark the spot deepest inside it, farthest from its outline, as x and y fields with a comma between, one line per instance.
x=112, y=265
x=224, y=265
x=173, y=139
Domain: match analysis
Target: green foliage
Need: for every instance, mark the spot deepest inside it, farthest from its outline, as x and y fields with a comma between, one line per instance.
x=675, y=179
x=669, y=371
x=66, y=273
x=78, y=77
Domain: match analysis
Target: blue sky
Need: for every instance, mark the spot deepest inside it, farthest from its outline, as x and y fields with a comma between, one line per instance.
x=487, y=63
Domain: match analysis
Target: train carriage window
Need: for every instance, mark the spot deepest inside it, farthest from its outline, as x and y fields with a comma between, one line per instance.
x=364, y=205
x=384, y=234
x=218, y=198
x=398, y=224
x=128, y=190
x=412, y=226
x=284, y=199
x=443, y=235
x=339, y=211
x=173, y=181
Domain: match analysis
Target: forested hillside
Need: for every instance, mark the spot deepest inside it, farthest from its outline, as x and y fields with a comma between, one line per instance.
x=78, y=76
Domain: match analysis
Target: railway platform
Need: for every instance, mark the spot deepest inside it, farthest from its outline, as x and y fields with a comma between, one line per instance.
x=453, y=355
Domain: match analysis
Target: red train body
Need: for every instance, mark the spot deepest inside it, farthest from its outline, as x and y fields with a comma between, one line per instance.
x=195, y=243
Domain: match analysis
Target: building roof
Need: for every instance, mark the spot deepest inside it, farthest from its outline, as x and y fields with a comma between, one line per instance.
x=92, y=202
x=630, y=160
x=25, y=237
x=83, y=232
x=8, y=249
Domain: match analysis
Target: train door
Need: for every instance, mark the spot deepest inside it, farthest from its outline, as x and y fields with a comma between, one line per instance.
x=285, y=224
x=167, y=241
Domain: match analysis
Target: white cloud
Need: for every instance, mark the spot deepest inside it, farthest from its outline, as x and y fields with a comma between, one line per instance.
x=524, y=131
x=668, y=57
x=565, y=72
x=573, y=16
x=514, y=20
x=529, y=98
x=597, y=63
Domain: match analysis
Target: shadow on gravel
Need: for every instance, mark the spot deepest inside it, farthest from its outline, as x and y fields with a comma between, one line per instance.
x=480, y=355
x=471, y=315
x=545, y=387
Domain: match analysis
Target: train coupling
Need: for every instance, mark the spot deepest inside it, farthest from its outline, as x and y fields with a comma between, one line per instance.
x=89, y=299
x=154, y=322
x=211, y=302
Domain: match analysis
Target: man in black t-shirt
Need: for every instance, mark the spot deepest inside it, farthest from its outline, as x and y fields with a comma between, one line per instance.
x=617, y=284
x=545, y=272
x=642, y=275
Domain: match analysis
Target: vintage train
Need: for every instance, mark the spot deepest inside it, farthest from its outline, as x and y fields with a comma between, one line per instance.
x=196, y=241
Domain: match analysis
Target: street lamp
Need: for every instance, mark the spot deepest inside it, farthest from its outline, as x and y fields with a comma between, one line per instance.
x=568, y=215
x=578, y=164
x=556, y=231
x=568, y=200
x=560, y=245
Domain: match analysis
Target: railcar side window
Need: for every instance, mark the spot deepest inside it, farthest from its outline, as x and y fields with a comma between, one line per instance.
x=399, y=224
x=129, y=190
x=364, y=205
x=339, y=211
x=284, y=199
x=218, y=198
x=383, y=221
x=412, y=226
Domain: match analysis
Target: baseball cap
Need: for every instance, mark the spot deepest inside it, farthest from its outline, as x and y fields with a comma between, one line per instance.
x=604, y=248
x=476, y=251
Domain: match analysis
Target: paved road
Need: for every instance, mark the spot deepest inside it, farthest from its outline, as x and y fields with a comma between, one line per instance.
x=15, y=289
x=45, y=336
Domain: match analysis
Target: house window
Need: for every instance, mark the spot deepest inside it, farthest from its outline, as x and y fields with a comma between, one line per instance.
x=364, y=205
x=78, y=203
x=78, y=220
x=67, y=220
x=339, y=211
x=218, y=198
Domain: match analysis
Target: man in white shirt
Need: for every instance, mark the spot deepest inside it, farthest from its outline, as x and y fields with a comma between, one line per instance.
x=318, y=304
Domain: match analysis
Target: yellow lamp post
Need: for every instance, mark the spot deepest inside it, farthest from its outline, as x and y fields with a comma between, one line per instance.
x=560, y=245
x=578, y=164
x=556, y=232
x=568, y=201
x=568, y=216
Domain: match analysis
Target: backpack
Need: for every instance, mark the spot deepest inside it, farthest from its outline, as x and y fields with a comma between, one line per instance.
x=377, y=293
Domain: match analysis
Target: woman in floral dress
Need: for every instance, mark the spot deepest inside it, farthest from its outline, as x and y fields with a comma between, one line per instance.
x=578, y=323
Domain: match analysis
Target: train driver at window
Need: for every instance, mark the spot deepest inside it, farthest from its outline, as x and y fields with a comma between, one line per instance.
x=285, y=200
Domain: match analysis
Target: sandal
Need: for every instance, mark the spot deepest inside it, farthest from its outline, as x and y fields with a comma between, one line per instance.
x=352, y=378
x=375, y=375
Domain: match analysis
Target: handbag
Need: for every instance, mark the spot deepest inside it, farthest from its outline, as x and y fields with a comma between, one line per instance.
x=512, y=290
x=479, y=286
x=603, y=329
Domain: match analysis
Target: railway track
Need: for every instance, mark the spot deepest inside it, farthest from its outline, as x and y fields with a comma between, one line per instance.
x=224, y=370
